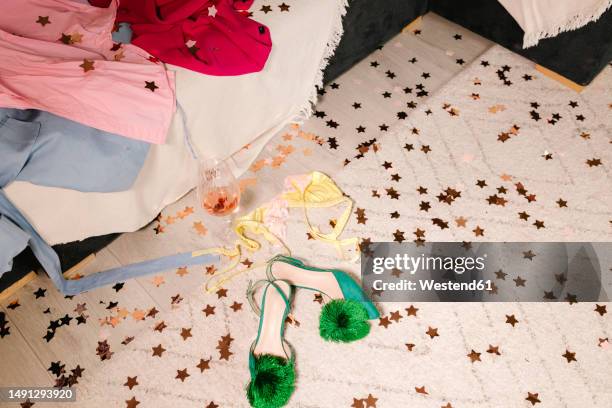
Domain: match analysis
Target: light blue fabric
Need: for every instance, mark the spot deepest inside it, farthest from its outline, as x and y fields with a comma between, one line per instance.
x=123, y=34
x=12, y=241
x=49, y=150
x=51, y=263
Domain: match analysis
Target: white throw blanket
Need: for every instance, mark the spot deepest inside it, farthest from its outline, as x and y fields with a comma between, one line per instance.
x=547, y=18
x=223, y=114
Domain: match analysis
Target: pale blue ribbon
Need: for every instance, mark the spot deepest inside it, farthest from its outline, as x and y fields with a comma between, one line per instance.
x=51, y=263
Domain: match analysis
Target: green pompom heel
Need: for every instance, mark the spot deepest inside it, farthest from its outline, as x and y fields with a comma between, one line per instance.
x=342, y=319
x=271, y=361
x=272, y=381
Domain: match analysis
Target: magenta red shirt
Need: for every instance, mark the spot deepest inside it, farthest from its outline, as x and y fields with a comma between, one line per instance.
x=214, y=37
x=58, y=56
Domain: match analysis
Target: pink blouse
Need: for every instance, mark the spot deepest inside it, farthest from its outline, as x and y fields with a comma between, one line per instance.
x=58, y=56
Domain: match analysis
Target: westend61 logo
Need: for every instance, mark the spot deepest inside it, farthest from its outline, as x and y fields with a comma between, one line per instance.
x=487, y=272
x=411, y=264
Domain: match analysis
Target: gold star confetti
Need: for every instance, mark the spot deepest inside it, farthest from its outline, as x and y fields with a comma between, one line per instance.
x=87, y=65
x=204, y=365
x=76, y=38
x=569, y=356
x=150, y=85
x=158, y=350
x=432, y=332
x=510, y=319
x=533, y=398
x=494, y=350
x=199, y=227
x=461, y=221
x=182, y=374
x=421, y=390
x=131, y=382
x=474, y=356
x=412, y=311
x=43, y=20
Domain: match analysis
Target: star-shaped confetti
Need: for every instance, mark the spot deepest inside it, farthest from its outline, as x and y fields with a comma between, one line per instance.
x=43, y=20
x=40, y=292
x=65, y=39
x=87, y=65
x=150, y=85
x=384, y=321
x=412, y=311
x=421, y=390
x=158, y=350
x=186, y=333
x=601, y=309
x=510, y=319
x=131, y=382
x=533, y=398
x=132, y=402
x=76, y=38
x=204, y=364
x=182, y=374
x=474, y=356
x=432, y=332
x=103, y=350
x=569, y=356
x=209, y=310
x=494, y=350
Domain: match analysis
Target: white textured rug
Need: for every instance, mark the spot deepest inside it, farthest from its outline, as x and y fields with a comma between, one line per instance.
x=509, y=143
x=498, y=154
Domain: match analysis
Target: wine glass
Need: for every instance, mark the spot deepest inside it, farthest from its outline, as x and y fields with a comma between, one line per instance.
x=218, y=190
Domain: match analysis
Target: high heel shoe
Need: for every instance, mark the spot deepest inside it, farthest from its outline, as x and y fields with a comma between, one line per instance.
x=345, y=317
x=271, y=360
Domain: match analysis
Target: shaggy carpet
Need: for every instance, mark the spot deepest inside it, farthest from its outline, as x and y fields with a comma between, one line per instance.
x=497, y=154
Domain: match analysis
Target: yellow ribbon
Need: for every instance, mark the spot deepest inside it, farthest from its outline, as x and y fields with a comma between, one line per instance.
x=320, y=192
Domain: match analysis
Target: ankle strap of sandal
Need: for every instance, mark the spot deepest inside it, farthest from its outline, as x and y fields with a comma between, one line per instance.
x=250, y=294
x=253, y=287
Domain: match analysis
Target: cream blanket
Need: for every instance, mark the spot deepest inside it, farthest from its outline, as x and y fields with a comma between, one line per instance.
x=547, y=18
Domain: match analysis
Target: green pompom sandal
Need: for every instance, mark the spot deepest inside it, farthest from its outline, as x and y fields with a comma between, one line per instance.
x=271, y=361
x=345, y=317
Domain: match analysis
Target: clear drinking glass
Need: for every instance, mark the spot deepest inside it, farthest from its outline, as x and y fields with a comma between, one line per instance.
x=218, y=190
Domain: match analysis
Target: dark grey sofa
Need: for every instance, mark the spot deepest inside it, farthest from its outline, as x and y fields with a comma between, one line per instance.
x=577, y=55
